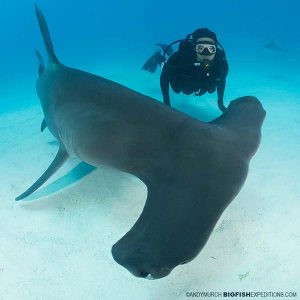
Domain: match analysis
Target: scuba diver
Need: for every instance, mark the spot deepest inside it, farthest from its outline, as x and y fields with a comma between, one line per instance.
x=198, y=66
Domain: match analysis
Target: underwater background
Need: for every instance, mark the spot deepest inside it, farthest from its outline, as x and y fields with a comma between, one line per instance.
x=57, y=244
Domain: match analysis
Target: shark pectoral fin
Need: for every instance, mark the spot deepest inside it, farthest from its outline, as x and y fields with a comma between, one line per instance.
x=58, y=161
x=42, y=67
x=43, y=125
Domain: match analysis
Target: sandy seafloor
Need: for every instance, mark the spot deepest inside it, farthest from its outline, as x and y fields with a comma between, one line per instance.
x=58, y=246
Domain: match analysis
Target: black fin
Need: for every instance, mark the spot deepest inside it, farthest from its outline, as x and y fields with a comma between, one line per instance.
x=40, y=70
x=46, y=36
x=166, y=48
x=41, y=62
x=151, y=64
x=43, y=125
x=58, y=161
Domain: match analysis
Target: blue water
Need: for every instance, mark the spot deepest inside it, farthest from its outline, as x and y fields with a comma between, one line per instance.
x=120, y=33
x=59, y=247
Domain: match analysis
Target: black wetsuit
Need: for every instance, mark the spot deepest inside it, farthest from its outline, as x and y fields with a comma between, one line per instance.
x=183, y=76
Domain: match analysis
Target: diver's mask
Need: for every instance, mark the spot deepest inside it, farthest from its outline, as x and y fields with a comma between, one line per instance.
x=205, y=49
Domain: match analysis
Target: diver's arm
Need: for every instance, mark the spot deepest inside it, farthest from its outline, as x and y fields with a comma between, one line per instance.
x=164, y=84
x=222, y=84
x=220, y=91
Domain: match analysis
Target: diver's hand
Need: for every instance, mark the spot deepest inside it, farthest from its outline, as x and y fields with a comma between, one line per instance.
x=200, y=92
x=166, y=101
x=221, y=106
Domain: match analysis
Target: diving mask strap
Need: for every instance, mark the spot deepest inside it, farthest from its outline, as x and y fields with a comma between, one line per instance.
x=222, y=48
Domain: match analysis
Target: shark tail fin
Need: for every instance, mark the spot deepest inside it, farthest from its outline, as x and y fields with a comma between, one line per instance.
x=46, y=36
x=58, y=161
